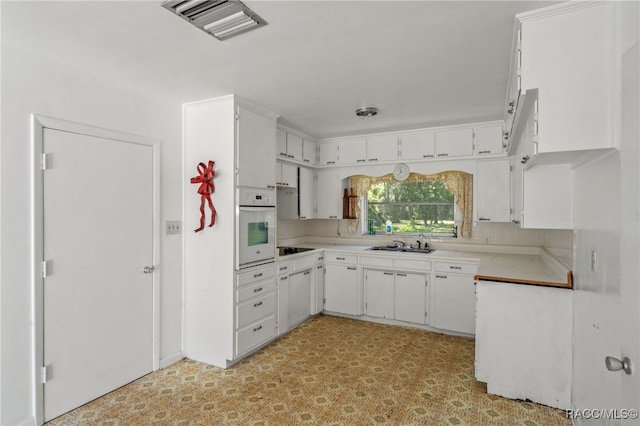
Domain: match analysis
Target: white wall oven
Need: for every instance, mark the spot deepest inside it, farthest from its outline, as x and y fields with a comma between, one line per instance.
x=255, y=233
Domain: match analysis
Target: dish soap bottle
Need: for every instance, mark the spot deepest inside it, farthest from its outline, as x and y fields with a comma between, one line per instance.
x=387, y=228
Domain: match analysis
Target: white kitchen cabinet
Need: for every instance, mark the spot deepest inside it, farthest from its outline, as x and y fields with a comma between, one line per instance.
x=307, y=193
x=453, y=299
x=411, y=297
x=378, y=293
x=494, y=190
x=299, y=296
x=454, y=143
x=352, y=151
x=342, y=286
x=418, y=146
x=309, y=153
x=284, y=268
x=241, y=138
x=286, y=175
x=256, y=147
x=382, y=148
x=318, y=299
x=329, y=194
x=572, y=71
x=524, y=342
x=328, y=153
x=489, y=139
x=289, y=146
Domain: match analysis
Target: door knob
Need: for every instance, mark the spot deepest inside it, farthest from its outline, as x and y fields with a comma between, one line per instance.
x=614, y=364
x=148, y=269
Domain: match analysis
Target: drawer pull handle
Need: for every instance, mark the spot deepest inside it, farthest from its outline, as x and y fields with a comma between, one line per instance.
x=319, y=267
x=284, y=268
x=257, y=275
x=351, y=268
x=258, y=328
x=256, y=290
x=441, y=276
x=402, y=275
x=255, y=305
x=455, y=267
x=388, y=273
x=284, y=278
x=307, y=273
x=340, y=258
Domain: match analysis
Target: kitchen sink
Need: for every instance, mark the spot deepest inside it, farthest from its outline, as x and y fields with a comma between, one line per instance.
x=401, y=249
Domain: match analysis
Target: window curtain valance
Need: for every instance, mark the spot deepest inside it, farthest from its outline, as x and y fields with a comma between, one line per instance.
x=460, y=184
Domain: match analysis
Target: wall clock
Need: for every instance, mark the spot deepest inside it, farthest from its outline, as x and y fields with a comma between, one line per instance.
x=401, y=171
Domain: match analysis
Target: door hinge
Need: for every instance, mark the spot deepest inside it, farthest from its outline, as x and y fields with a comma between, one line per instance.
x=44, y=161
x=45, y=373
x=45, y=268
x=426, y=314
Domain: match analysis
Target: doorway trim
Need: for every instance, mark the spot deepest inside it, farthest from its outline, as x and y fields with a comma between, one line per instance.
x=38, y=124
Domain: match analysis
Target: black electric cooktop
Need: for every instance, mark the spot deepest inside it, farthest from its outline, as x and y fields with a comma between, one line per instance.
x=283, y=251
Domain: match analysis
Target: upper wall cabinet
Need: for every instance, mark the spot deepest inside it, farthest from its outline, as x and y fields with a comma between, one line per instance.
x=352, y=151
x=382, y=148
x=328, y=153
x=309, y=153
x=256, y=140
x=289, y=146
x=489, y=139
x=454, y=143
x=566, y=53
x=418, y=146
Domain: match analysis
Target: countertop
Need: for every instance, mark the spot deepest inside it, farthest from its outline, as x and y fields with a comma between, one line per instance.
x=533, y=266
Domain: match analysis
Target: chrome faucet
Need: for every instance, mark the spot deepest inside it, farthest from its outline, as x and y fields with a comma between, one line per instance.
x=399, y=243
x=426, y=242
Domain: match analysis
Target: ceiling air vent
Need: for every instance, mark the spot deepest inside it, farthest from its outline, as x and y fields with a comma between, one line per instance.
x=222, y=19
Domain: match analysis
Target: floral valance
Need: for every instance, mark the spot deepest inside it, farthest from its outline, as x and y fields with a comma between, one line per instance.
x=460, y=184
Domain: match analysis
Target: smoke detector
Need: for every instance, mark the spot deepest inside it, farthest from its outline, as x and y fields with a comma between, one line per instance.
x=367, y=111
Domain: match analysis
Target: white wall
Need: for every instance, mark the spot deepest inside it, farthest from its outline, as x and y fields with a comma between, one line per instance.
x=33, y=84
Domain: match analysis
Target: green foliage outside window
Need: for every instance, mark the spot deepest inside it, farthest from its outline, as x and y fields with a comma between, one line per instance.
x=412, y=207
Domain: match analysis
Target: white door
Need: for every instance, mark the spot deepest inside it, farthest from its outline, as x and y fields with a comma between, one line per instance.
x=98, y=231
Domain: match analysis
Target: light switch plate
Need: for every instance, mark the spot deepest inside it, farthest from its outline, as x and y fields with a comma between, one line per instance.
x=174, y=227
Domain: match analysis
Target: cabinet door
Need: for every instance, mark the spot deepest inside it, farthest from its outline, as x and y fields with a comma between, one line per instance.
x=256, y=147
x=329, y=192
x=341, y=289
x=319, y=295
x=382, y=148
x=309, y=152
x=328, y=153
x=281, y=143
x=454, y=303
x=289, y=175
x=294, y=147
x=283, y=304
x=418, y=146
x=307, y=194
x=299, y=296
x=454, y=143
x=494, y=190
x=352, y=151
x=489, y=140
x=410, y=297
x=378, y=288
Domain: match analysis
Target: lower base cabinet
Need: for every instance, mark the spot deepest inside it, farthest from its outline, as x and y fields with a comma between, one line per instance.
x=524, y=342
x=342, y=289
x=396, y=295
x=299, y=296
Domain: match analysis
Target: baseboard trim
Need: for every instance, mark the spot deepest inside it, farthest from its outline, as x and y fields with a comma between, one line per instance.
x=167, y=361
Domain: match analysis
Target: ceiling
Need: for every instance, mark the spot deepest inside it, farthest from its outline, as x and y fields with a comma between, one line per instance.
x=421, y=63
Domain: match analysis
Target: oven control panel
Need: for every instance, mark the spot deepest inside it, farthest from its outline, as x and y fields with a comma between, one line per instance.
x=256, y=197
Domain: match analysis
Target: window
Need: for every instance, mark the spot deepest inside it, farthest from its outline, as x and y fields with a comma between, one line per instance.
x=412, y=207
x=437, y=204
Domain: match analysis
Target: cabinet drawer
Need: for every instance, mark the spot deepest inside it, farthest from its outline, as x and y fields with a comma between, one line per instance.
x=303, y=263
x=254, y=309
x=256, y=275
x=284, y=267
x=376, y=261
x=255, y=290
x=255, y=334
x=461, y=268
x=341, y=258
x=422, y=265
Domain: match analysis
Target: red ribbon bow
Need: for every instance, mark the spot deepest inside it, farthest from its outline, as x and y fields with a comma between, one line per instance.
x=206, y=188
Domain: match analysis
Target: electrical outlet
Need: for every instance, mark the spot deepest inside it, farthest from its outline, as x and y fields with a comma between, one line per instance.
x=174, y=227
x=594, y=261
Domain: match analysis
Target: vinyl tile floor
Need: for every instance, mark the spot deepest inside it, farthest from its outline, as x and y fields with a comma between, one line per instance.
x=328, y=371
